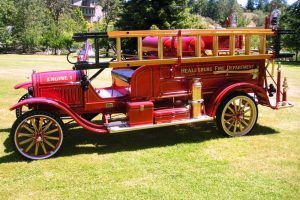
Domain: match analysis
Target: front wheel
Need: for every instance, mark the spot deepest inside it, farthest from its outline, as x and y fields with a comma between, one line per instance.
x=21, y=110
x=37, y=134
x=237, y=115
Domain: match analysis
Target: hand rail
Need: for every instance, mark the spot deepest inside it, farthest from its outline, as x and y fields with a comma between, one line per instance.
x=197, y=33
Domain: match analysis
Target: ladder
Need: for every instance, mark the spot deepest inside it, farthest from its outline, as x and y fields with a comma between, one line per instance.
x=197, y=33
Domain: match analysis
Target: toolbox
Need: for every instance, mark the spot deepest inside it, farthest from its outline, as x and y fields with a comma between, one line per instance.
x=139, y=113
x=172, y=114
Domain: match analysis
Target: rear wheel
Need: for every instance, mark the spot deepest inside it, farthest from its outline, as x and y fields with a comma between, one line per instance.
x=237, y=115
x=38, y=134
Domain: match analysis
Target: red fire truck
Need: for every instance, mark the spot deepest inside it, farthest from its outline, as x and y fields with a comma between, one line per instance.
x=176, y=77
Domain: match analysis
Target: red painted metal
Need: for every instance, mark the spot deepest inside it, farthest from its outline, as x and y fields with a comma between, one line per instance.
x=139, y=113
x=24, y=85
x=66, y=109
x=241, y=87
x=278, y=90
x=171, y=114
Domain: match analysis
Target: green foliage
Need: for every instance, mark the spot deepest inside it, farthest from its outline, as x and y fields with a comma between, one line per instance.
x=38, y=24
x=291, y=20
x=250, y=5
x=111, y=10
x=142, y=14
x=259, y=18
x=260, y=5
x=30, y=23
x=7, y=14
x=197, y=6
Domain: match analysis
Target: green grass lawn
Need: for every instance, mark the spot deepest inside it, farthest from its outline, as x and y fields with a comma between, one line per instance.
x=180, y=162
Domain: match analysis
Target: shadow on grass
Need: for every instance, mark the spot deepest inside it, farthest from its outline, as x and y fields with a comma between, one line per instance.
x=79, y=141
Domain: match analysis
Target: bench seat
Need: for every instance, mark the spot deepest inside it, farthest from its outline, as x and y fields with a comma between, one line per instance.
x=123, y=74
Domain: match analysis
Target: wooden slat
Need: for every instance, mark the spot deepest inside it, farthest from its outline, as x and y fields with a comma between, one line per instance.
x=232, y=45
x=160, y=48
x=179, y=46
x=119, y=50
x=140, y=48
x=133, y=63
x=215, y=46
x=187, y=32
x=198, y=46
x=247, y=44
x=262, y=49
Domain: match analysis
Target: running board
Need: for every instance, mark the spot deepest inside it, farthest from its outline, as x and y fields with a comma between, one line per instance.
x=116, y=127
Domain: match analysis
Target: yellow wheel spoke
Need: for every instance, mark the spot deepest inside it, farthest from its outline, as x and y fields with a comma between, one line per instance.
x=240, y=126
x=228, y=121
x=230, y=126
x=41, y=123
x=228, y=115
x=234, y=128
x=244, y=122
x=47, y=126
x=247, y=110
x=51, y=145
x=234, y=104
x=37, y=145
x=231, y=110
x=26, y=141
x=27, y=128
x=25, y=135
x=29, y=147
x=44, y=148
x=52, y=131
x=52, y=138
x=34, y=125
x=240, y=104
x=244, y=106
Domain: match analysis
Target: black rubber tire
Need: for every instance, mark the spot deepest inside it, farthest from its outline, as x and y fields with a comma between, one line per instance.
x=19, y=109
x=222, y=106
x=31, y=113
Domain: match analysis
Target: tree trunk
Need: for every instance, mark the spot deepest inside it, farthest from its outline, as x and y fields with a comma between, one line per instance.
x=296, y=55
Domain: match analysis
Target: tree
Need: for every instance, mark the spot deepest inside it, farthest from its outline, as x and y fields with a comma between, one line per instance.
x=57, y=8
x=212, y=10
x=30, y=23
x=250, y=5
x=110, y=9
x=197, y=6
x=260, y=5
x=291, y=20
x=63, y=23
x=7, y=14
x=59, y=33
x=142, y=14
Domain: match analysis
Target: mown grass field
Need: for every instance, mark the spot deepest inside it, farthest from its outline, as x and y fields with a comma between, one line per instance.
x=182, y=162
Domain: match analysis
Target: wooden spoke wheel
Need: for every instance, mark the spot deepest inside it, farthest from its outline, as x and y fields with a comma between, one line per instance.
x=237, y=115
x=21, y=110
x=38, y=134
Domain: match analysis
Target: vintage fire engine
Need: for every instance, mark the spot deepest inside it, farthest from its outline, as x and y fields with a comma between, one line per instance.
x=177, y=77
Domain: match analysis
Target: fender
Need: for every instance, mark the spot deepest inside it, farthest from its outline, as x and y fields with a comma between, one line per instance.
x=218, y=96
x=24, y=85
x=65, y=108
